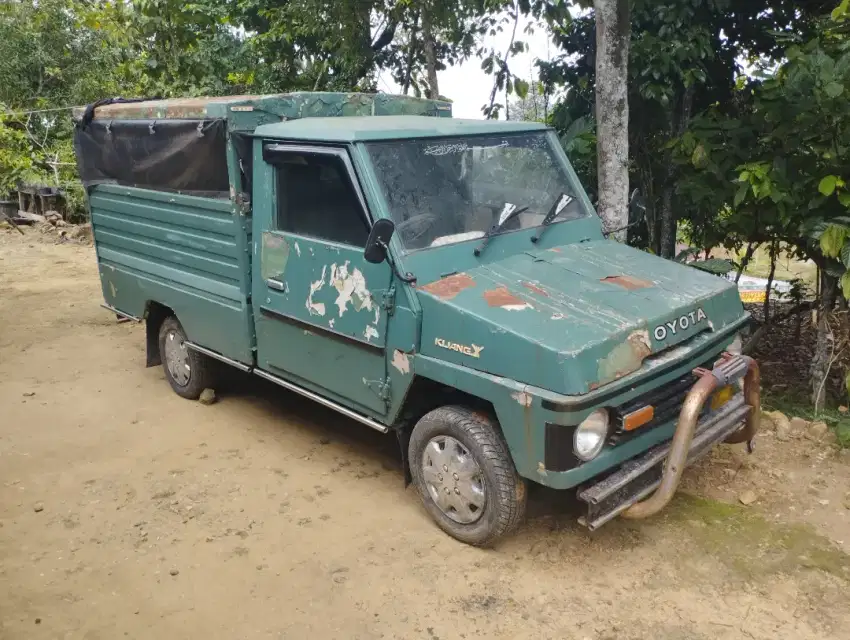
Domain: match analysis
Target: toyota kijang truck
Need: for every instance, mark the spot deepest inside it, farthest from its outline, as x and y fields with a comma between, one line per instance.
x=446, y=280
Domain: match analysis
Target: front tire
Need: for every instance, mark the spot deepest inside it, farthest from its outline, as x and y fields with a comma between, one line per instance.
x=187, y=371
x=465, y=476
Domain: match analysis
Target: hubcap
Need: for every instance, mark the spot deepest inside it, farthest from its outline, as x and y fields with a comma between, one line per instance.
x=454, y=479
x=177, y=358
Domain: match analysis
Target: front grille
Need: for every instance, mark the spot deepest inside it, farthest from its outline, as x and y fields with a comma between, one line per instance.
x=666, y=400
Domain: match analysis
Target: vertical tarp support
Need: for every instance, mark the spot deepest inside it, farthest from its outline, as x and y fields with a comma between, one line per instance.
x=240, y=205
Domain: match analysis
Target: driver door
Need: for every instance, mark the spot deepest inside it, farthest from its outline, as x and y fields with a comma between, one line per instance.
x=320, y=320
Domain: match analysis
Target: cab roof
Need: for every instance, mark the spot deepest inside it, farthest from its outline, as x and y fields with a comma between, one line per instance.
x=366, y=128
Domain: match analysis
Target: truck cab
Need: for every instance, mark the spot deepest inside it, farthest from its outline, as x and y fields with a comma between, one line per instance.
x=444, y=279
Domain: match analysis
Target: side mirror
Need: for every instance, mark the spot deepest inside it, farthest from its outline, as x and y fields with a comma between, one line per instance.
x=379, y=240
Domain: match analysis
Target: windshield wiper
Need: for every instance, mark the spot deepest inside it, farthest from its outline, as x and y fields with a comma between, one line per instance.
x=560, y=203
x=509, y=212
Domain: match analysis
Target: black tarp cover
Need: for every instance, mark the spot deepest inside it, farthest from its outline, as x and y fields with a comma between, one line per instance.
x=188, y=156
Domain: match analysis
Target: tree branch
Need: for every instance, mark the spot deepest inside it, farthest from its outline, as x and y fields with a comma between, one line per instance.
x=504, y=70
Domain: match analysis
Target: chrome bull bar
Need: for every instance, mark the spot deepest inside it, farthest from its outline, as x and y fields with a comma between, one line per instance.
x=641, y=487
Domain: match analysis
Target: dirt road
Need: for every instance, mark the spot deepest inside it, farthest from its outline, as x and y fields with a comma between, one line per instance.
x=126, y=511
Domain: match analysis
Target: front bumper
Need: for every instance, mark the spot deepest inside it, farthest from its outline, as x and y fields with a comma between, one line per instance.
x=656, y=473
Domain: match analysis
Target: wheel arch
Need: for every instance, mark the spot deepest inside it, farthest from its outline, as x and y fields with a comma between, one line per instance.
x=503, y=399
x=423, y=396
x=155, y=315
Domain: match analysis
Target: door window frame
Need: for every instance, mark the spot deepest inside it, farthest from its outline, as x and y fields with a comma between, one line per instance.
x=272, y=148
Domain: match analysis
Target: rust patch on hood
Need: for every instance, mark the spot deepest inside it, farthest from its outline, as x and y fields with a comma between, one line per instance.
x=502, y=297
x=535, y=288
x=448, y=287
x=627, y=282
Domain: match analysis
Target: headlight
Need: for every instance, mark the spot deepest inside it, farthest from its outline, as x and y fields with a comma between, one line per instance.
x=590, y=435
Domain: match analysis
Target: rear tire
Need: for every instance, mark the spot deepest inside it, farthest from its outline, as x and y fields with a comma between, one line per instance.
x=465, y=476
x=187, y=371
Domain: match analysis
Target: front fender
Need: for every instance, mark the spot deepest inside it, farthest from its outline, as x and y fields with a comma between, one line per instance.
x=517, y=405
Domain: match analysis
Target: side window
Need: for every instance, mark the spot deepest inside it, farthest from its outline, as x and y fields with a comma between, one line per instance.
x=315, y=198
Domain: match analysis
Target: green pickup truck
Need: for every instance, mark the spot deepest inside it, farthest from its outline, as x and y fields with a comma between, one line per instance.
x=443, y=279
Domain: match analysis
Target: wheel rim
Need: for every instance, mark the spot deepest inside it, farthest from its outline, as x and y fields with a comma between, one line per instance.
x=177, y=358
x=453, y=479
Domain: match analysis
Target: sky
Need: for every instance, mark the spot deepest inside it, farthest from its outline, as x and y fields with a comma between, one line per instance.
x=469, y=87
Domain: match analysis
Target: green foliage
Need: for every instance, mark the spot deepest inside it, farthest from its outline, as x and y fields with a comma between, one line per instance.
x=16, y=162
x=63, y=53
x=828, y=184
x=767, y=162
x=832, y=240
x=686, y=94
x=532, y=106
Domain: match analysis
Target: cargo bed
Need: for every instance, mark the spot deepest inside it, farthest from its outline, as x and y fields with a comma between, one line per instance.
x=189, y=253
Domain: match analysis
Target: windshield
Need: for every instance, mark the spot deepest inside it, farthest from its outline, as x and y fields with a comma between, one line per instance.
x=446, y=190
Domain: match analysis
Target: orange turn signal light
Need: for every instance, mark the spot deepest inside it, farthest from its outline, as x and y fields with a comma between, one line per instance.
x=635, y=419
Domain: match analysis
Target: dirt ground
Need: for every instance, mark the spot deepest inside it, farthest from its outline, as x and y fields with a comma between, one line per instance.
x=126, y=511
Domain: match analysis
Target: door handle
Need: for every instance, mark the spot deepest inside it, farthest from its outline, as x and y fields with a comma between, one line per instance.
x=277, y=285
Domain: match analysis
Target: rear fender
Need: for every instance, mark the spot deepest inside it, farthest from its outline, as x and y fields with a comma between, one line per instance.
x=155, y=314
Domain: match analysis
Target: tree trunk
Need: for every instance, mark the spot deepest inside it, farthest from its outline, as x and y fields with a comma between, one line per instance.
x=774, y=250
x=429, y=47
x=360, y=46
x=411, y=53
x=825, y=340
x=678, y=123
x=667, y=235
x=613, y=31
x=745, y=261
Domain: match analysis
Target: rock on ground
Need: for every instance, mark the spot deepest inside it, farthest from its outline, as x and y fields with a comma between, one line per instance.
x=781, y=425
x=747, y=497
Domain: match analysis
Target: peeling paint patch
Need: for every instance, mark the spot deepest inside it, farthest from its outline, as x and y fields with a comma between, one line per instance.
x=351, y=287
x=558, y=316
x=297, y=250
x=555, y=249
x=113, y=289
x=625, y=358
x=448, y=287
x=401, y=361
x=523, y=398
x=331, y=323
x=501, y=297
x=273, y=256
x=316, y=308
x=377, y=315
x=628, y=282
x=371, y=332
x=536, y=289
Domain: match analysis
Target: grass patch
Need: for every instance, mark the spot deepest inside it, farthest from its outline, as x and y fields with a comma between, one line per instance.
x=753, y=547
x=787, y=268
x=842, y=431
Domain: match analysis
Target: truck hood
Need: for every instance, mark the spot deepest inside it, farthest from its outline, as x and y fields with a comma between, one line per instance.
x=572, y=318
